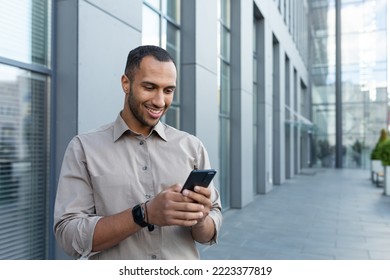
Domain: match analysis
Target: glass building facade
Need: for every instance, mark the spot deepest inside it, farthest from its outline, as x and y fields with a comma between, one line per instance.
x=25, y=89
x=363, y=79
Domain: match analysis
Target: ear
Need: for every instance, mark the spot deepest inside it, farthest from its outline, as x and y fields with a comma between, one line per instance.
x=125, y=84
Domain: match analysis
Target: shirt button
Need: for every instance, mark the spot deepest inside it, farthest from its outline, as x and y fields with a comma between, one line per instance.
x=144, y=168
x=154, y=257
x=142, y=142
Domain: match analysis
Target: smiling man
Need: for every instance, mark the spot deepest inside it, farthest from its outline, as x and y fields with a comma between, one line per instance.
x=119, y=192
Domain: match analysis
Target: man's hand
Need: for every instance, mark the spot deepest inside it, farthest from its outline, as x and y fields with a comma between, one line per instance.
x=170, y=207
x=201, y=196
x=204, y=230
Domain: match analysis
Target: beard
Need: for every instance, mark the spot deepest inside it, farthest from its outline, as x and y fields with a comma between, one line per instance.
x=134, y=107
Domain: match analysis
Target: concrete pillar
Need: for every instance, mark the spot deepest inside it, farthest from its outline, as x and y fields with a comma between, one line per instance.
x=242, y=100
x=264, y=131
x=278, y=148
x=199, y=88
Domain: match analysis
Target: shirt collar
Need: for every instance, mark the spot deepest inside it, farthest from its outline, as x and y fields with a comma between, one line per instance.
x=120, y=127
x=160, y=129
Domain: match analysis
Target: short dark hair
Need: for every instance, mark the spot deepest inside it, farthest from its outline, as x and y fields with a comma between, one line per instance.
x=136, y=55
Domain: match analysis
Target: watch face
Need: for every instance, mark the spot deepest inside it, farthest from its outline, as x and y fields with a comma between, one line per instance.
x=139, y=215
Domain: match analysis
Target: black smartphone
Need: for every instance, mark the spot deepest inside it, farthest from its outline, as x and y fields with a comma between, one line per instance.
x=199, y=177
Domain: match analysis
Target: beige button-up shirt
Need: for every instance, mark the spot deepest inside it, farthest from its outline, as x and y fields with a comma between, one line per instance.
x=112, y=169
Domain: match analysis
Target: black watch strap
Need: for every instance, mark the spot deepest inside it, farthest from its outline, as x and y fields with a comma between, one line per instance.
x=139, y=215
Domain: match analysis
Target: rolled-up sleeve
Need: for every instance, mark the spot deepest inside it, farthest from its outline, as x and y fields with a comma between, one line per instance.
x=216, y=210
x=216, y=215
x=74, y=211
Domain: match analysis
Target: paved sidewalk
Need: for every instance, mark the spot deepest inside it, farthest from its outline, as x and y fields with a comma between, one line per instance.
x=317, y=215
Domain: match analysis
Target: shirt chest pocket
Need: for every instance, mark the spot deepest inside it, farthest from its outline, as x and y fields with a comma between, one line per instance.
x=115, y=193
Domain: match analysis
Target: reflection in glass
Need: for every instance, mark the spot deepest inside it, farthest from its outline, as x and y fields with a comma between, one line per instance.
x=171, y=8
x=171, y=42
x=225, y=89
x=150, y=27
x=364, y=76
x=25, y=31
x=172, y=116
x=225, y=45
x=364, y=68
x=225, y=13
x=23, y=163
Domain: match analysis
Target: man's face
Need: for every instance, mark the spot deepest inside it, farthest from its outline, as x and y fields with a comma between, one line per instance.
x=149, y=95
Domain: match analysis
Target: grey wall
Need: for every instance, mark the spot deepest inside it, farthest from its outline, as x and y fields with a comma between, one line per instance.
x=108, y=30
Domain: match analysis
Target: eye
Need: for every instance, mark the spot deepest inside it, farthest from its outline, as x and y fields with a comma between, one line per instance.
x=148, y=87
x=169, y=90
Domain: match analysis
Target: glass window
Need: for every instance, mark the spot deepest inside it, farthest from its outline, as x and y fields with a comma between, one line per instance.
x=324, y=94
x=150, y=27
x=172, y=45
x=225, y=87
x=171, y=39
x=324, y=51
x=225, y=45
x=171, y=8
x=25, y=31
x=380, y=14
x=172, y=116
x=160, y=27
x=225, y=13
x=24, y=128
x=23, y=164
x=363, y=73
x=364, y=81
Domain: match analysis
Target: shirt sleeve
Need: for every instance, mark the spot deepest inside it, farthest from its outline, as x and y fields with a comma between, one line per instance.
x=215, y=213
x=74, y=211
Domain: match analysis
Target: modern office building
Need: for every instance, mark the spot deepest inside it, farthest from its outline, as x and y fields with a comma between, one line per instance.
x=251, y=86
x=349, y=79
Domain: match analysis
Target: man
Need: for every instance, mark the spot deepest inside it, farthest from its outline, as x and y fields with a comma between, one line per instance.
x=119, y=193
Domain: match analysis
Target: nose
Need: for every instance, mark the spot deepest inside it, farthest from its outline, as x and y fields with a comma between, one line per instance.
x=159, y=99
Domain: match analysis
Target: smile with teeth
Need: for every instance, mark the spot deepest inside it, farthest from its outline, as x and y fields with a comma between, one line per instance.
x=154, y=113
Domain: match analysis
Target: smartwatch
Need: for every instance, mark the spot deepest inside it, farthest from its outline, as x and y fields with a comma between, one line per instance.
x=139, y=215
